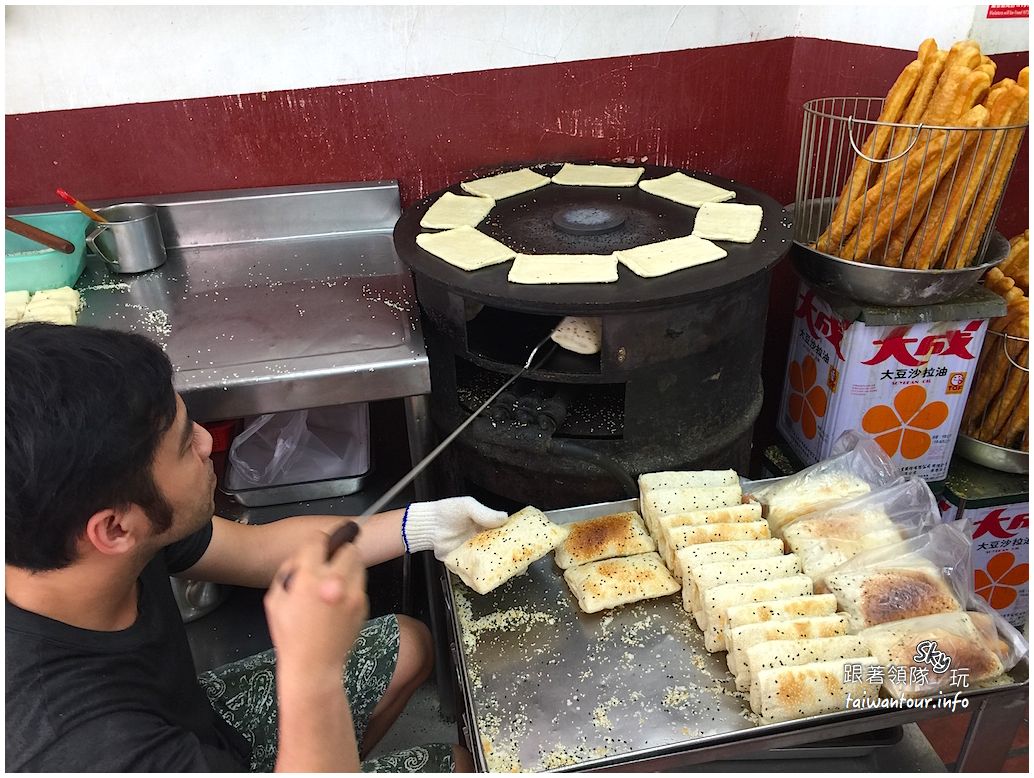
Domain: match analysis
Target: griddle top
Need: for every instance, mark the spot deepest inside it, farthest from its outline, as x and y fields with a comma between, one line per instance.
x=557, y=219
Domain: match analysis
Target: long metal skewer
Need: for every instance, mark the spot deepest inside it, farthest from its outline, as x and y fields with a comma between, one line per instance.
x=419, y=468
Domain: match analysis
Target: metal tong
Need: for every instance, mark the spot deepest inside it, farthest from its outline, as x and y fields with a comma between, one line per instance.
x=422, y=465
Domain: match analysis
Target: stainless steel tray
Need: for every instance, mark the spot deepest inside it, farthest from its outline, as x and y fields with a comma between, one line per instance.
x=876, y=284
x=547, y=687
x=301, y=492
x=989, y=455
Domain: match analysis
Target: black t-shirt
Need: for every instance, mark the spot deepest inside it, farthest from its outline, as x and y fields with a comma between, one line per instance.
x=80, y=700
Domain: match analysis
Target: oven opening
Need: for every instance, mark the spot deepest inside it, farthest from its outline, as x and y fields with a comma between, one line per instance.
x=507, y=337
x=566, y=410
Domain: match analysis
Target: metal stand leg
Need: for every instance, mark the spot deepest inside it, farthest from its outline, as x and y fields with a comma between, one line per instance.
x=990, y=735
x=421, y=438
x=418, y=428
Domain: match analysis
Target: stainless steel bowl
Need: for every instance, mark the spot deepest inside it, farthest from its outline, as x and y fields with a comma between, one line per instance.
x=873, y=283
x=989, y=455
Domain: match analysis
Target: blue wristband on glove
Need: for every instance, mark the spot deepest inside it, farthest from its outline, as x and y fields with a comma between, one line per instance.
x=405, y=518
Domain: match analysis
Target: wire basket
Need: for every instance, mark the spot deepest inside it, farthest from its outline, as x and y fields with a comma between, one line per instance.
x=905, y=195
x=998, y=411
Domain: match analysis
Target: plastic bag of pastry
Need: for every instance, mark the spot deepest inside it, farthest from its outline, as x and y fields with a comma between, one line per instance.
x=930, y=573
x=828, y=537
x=945, y=652
x=858, y=466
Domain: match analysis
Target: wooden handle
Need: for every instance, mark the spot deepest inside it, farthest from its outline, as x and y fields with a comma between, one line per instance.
x=40, y=236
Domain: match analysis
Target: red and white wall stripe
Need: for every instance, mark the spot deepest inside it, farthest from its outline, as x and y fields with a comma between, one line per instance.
x=112, y=102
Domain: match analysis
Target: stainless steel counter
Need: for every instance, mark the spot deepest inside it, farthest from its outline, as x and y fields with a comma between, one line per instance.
x=548, y=687
x=274, y=299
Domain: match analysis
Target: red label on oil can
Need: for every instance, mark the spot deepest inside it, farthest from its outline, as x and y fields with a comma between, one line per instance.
x=1008, y=11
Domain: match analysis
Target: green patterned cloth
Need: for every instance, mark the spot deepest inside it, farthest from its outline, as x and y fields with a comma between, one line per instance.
x=244, y=694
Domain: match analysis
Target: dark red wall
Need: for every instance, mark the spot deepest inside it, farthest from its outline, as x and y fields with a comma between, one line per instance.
x=731, y=110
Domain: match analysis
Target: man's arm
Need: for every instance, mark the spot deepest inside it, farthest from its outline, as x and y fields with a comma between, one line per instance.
x=313, y=625
x=249, y=555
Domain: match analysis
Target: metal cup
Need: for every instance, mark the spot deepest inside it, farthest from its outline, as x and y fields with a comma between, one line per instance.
x=131, y=240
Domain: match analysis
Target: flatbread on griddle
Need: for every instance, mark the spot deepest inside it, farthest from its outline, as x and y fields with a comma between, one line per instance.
x=452, y=210
x=505, y=185
x=564, y=269
x=465, y=248
x=686, y=190
x=728, y=221
x=668, y=256
x=597, y=175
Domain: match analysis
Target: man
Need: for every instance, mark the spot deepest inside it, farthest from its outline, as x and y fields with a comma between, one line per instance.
x=109, y=491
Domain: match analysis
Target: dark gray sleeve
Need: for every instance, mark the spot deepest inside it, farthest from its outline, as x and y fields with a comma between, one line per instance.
x=184, y=553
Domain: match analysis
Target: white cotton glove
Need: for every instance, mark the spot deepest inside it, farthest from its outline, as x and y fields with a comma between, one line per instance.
x=444, y=525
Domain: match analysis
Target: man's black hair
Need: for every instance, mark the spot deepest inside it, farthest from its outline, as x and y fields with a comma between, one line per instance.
x=86, y=409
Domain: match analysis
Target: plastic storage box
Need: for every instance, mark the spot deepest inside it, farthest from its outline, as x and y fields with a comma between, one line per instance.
x=33, y=267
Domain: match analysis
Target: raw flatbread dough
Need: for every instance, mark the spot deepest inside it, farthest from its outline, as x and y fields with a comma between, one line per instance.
x=619, y=534
x=597, y=175
x=700, y=577
x=505, y=184
x=674, y=479
x=872, y=596
x=65, y=295
x=728, y=221
x=613, y=582
x=681, y=537
x=790, y=653
x=788, y=693
x=667, y=256
x=686, y=190
x=564, y=269
x=742, y=638
x=730, y=550
x=55, y=313
x=718, y=600
x=580, y=334
x=493, y=557
x=465, y=247
x=452, y=210
x=14, y=306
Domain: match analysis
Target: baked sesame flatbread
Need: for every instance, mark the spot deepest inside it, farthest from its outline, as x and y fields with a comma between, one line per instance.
x=618, y=534
x=493, y=557
x=789, y=653
x=614, y=582
x=788, y=693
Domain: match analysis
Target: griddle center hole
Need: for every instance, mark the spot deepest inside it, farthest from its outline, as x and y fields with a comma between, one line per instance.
x=589, y=219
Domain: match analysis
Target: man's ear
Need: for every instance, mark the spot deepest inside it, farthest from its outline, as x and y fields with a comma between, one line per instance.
x=112, y=531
